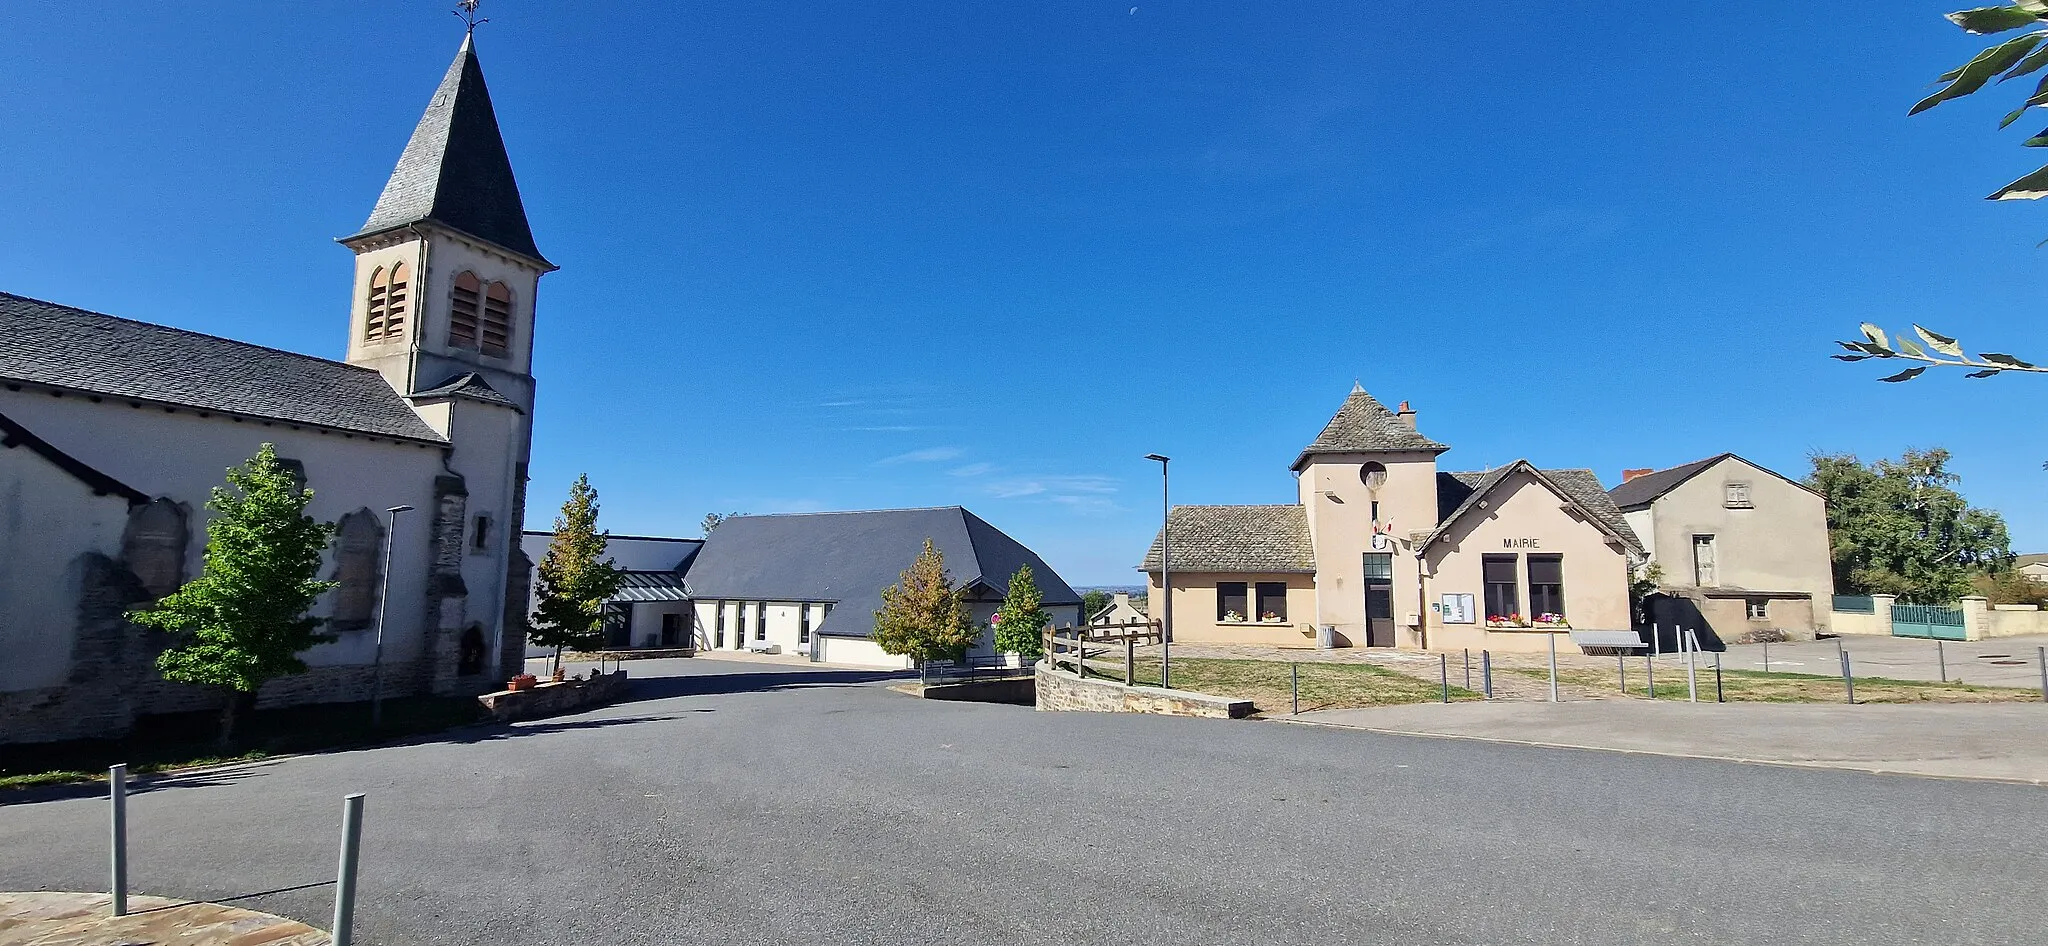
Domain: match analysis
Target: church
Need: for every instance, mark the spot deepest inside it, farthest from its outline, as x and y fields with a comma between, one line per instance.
x=115, y=431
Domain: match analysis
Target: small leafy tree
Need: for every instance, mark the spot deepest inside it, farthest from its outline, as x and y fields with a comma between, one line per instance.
x=1093, y=601
x=575, y=577
x=243, y=621
x=1900, y=527
x=923, y=616
x=2011, y=587
x=1021, y=621
x=713, y=520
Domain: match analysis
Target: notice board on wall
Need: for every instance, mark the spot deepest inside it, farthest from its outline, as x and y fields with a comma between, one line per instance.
x=1458, y=609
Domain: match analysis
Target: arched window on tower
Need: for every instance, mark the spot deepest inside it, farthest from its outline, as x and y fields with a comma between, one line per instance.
x=358, y=553
x=497, y=334
x=385, y=308
x=464, y=310
x=376, y=306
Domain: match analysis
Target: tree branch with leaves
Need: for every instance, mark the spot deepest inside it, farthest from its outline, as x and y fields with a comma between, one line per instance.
x=1933, y=348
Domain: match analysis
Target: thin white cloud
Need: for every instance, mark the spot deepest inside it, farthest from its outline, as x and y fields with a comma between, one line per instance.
x=973, y=469
x=1086, y=485
x=926, y=455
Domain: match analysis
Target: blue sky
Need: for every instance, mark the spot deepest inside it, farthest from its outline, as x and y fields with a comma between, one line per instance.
x=864, y=255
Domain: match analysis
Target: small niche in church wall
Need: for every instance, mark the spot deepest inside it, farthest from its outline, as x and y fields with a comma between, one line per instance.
x=153, y=545
x=358, y=544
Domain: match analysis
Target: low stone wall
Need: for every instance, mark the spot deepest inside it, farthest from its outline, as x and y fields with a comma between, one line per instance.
x=554, y=699
x=2013, y=620
x=1063, y=691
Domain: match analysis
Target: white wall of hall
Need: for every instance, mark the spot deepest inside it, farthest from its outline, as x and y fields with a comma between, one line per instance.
x=49, y=522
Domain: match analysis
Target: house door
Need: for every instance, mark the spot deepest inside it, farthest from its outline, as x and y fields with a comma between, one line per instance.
x=1704, y=573
x=671, y=630
x=1379, y=599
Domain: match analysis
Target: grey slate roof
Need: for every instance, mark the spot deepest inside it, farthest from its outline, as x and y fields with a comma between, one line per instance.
x=1648, y=488
x=847, y=558
x=2030, y=558
x=1364, y=425
x=454, y=170
x=468, y=385
x=1237, y=539
x=62, y=346
x=1459, y=493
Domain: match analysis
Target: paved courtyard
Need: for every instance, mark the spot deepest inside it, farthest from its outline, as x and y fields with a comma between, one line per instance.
x=745, y=802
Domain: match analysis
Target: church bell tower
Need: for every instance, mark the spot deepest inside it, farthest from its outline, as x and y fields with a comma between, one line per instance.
x=446, y=268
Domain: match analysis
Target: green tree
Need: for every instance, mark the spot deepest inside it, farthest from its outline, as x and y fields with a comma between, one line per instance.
x=1021, y=621
x=243, y=621
x=1900, y=527
x=2007, y=59
x=1093, y=601
x=713, y=520
x=2011, y=587
x=923, y=616
x=575, y=577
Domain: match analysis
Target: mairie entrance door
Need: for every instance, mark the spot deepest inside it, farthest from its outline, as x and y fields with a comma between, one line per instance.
x=1379, y=599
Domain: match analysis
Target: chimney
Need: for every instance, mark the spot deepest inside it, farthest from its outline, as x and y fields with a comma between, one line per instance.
x=1627, y=475
x=1407, y=415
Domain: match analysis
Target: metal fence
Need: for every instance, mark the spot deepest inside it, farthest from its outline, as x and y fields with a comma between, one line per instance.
x=999, y=667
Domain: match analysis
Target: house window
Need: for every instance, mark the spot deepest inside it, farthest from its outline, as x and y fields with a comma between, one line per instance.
x=1737, y=496
x=481, y=541
x=1546, y=586
x=1502, y=599
x=384, y=313
x=1230, y=601
x=1705, y=570
x=359, y=546
x=1379, y=565
x=1273, y=601
x=739, y=624
x=465, y=303
x=718, y=616
x=761, y=621
x=1759, y=609
x=497, y=324
x=803, y=624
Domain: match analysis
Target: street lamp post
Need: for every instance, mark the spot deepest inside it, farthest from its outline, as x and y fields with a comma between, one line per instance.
x=383, y=607
x=1165, y=575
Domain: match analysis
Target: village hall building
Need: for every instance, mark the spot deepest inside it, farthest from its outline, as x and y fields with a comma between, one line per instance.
x=115, y=431
x=1388, y=550
x=809, y=584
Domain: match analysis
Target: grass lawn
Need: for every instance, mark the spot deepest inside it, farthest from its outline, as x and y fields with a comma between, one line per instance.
x=1266, y=683
x=186, y=740
x=1756, y=686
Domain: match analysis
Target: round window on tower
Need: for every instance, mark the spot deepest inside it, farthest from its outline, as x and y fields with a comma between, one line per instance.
x=1373, y=474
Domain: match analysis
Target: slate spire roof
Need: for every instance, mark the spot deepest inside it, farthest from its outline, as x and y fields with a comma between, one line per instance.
x=1364, y=425
x=455, y=171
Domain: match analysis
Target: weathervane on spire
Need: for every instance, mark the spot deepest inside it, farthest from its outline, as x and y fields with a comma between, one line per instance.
x=468, y=13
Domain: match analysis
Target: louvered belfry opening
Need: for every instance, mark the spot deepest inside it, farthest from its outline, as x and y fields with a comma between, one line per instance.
x=497, y=333
x=385, y=310
x=464, y=311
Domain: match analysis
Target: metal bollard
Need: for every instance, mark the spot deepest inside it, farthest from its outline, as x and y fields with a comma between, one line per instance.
x=1553, y=666
x=1650, y=671
x=1767, y=656
x=2041, y=660
x=345, y=875
x=1719, y=696
x=1621, y=664
x=1468, y=668
x=1294, y=683
x=1443, y=674
x=1692, y=665
x=1130, y=663
x=117, y=794
x=1486, y=672
x=1848, y=679
x=1941, y=660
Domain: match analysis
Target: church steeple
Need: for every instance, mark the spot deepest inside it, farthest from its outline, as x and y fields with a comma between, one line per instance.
x=454, y=170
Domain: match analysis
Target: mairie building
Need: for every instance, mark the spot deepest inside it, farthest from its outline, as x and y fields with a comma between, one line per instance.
x=1386, y=549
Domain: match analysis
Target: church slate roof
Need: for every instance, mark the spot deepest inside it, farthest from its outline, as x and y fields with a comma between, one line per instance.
x=1237, y=539
x=61, y=346
x=468, y=385
x=847, y=558
x=1364, y=425
x=454, y=170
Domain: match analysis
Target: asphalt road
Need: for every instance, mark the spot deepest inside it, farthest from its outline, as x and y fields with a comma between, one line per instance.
x=752, y=803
